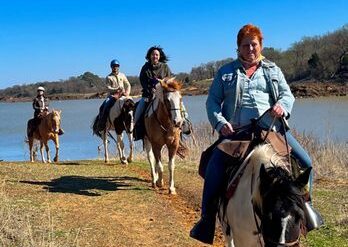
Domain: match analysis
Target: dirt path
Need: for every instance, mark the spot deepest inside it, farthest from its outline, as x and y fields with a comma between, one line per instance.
x=92, y=204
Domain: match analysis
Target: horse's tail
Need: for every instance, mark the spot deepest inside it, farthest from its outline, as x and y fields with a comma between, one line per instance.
x=95, y=127
x=30, y=126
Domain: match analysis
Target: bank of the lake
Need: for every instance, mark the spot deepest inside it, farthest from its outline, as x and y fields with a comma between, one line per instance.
x=301, y=89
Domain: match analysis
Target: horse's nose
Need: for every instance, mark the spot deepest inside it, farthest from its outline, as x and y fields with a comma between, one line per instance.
x=177, y=124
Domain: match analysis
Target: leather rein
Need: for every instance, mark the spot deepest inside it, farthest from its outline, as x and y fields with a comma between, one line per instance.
x=257, y=211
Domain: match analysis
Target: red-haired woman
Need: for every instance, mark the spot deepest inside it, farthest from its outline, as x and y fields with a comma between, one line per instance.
x=242, y=90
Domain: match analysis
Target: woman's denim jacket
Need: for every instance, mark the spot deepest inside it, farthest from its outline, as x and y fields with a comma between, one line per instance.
x=226, y=92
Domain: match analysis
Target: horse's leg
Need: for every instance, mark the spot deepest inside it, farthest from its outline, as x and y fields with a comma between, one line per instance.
x=131, y=147
x=41, y=152
x=31, y=143
x=105, y=142
x=151, y=158
x=171, y=167
x=120, y=148
x=159, y=166
x=47, y=151
x=56, y=143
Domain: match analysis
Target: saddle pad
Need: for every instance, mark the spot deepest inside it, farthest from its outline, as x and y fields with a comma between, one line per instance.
x=234, y=148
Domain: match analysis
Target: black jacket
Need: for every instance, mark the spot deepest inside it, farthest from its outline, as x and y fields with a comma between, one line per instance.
x=39, y=105
x=150, y=73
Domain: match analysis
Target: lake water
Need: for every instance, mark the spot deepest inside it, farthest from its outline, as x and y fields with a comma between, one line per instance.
x=322, y=117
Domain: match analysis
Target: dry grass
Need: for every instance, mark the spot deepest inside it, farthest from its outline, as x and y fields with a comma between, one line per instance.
x=329, y=158
x=18, y=227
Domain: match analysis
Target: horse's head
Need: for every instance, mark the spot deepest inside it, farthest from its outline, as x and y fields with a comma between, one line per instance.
x=168, y=91
x=54, y=120
x=282, y=206
x=127, y=113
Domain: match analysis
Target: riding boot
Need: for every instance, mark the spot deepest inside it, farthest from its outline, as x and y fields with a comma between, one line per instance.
x=204, y=229
x=312, y=216
x=60, y=132
x=139, y=128
x=104, y=112
x=186, y=127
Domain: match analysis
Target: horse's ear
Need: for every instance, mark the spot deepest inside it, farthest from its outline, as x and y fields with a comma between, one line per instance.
x=60, y=111
x=302, y=180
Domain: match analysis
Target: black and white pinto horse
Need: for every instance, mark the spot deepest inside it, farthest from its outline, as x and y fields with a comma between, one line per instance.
x=120, y=119
x=267, y=208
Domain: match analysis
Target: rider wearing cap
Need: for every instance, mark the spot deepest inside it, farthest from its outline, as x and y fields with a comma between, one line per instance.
x=40, y=105
x=40, y=102
x=117, y=85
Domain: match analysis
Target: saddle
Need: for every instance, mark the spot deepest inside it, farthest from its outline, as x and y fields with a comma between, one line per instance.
x=240, y=150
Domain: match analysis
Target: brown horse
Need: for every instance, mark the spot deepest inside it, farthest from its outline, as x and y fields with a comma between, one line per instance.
x=48, y=129
x=163, y=120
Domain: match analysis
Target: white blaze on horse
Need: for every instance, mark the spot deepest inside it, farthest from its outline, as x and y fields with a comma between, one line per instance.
x=267, y=208
x=48, y=129
x=120, y=119
x=163, y=120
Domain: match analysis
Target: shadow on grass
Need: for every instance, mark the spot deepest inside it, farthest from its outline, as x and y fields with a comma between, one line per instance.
x=90, y=186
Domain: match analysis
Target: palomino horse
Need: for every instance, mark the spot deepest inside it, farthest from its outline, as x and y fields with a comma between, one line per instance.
x=163, y=120
x=267, y=208
x=120, y=119
x=48, y=129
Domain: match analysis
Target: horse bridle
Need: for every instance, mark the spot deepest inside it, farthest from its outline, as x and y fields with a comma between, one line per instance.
x=124, y=120
x=260, y=235
x=256, y=210
x=257, y=214
x=170, y=109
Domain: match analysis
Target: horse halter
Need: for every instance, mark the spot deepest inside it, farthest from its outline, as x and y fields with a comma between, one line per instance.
x=256, y=213
x=257, y=218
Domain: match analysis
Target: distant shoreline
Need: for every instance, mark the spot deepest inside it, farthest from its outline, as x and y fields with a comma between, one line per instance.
x=308, y=89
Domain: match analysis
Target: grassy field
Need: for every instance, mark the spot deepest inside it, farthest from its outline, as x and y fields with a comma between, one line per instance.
x=88, y=203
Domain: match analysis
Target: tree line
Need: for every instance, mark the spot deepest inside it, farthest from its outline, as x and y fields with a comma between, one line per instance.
x=319, y=58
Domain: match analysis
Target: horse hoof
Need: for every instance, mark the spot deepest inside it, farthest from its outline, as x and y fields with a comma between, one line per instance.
x=55, y=159
x=129, y=160
x=159, y=184
x=124, y=162
x=172, y=192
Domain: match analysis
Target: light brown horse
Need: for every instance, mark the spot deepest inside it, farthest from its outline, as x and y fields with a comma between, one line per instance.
x=163, y=120
x=48, y=129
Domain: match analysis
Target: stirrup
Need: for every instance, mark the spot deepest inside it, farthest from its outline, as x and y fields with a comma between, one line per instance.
x=313, y=217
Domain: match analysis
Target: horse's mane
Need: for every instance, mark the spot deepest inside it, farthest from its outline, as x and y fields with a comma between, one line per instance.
x=266, y=155
x=167, y=85
x=171, y=84
x=278, y=171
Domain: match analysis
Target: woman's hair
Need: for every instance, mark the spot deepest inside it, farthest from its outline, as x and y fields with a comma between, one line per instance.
x=249, y=30
x=163, y=57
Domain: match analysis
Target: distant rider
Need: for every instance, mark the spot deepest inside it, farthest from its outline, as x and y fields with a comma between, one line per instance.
x=40, y=106
x=117, y=85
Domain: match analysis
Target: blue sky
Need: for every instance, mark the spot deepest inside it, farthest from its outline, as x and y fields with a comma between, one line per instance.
x=53, y=40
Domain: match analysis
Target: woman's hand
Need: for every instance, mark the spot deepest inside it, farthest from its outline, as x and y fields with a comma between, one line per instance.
x=277, y=111
x=227, y=130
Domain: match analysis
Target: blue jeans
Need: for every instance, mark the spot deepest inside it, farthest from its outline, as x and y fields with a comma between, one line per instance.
x=214, y=182
x=140, y=109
